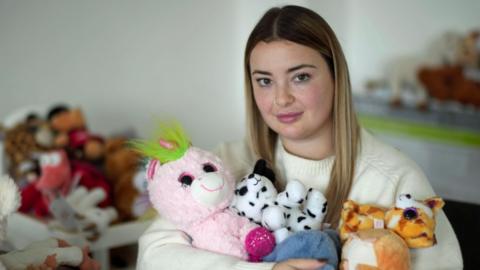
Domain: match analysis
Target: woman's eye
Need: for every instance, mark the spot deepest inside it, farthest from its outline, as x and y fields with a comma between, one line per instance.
x=185, y=179
x=208, y=167
x=302, y=77
x=264, y=82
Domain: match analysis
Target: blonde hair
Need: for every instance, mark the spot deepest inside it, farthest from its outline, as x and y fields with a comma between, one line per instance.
x=303, y=26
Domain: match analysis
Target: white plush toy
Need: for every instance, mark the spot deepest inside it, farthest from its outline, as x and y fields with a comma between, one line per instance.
x=299, y=213
x=294, y=209
x=49, y=253
x=255, y=192
x=93, y=219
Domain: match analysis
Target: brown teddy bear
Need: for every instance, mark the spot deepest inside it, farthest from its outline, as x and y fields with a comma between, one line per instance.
x=127, y=178
x=459, y=82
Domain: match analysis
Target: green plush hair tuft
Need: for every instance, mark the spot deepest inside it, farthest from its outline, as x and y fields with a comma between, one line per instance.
x=173, y=133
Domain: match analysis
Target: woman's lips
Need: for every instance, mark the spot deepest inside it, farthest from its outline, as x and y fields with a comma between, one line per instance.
x=288, y=118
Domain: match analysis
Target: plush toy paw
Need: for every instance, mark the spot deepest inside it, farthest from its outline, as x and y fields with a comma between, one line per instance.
x=259, y=242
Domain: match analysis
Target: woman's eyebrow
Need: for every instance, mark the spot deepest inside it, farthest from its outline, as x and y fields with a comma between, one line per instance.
x=261, y=72
x=292, y=69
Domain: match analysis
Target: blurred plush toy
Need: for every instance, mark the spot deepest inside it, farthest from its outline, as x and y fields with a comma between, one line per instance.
x=127, y=177
x=375, y=249
x=22, y=142
x=58, y=176
x=79, y=213
x=48, y=253
x=55, y=179
x=84, y=145
x=191, y=188
x=402, y=71
x=414, y=220
x=459, y=82
x=63, y=120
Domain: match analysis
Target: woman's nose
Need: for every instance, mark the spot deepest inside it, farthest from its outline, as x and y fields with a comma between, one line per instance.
x=283, y=97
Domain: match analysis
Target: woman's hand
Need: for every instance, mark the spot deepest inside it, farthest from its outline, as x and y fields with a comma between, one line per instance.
x=299, y=264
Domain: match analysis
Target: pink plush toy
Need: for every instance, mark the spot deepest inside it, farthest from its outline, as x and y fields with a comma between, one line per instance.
x=191, y=188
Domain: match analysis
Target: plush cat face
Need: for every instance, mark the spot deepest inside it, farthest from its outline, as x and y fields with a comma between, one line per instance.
x=414, y=220
x=190, y=188
x=357, y=217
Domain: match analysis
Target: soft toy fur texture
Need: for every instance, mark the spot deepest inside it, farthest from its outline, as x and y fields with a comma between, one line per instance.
x=309, y=244
x=294, y=209
x=192, y=188
x=375, y=249
x=357, y=217
x=412, y=220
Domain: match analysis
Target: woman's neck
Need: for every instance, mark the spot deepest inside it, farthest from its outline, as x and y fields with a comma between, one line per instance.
x=315, y=148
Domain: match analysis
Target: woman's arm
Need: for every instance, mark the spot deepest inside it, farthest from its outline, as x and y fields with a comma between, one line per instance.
x=163, y=247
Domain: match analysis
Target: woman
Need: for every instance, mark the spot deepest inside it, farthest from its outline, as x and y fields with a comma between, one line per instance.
x=301, y=120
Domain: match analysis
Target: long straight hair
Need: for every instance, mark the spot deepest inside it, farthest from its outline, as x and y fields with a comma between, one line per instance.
x=305, y=27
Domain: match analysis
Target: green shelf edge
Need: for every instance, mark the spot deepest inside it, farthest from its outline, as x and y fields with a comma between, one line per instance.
x=422, y=131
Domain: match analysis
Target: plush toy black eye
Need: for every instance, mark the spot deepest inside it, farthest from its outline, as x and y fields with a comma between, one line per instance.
x=410, y=213
x=208, y=167
x=185, y=179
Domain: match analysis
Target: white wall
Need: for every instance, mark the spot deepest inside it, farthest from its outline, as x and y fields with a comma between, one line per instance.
x=125, y=62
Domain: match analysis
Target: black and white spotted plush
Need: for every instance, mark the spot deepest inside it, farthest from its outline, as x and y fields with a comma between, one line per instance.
x=295, y=210
x=255, y=192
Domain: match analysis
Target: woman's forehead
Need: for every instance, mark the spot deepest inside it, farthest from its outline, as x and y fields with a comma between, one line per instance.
x=282, y=55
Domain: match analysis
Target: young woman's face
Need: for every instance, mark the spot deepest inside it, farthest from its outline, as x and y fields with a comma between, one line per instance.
x=293, y=89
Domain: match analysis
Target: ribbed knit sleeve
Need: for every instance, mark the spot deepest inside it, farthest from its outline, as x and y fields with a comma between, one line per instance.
x=163, y=247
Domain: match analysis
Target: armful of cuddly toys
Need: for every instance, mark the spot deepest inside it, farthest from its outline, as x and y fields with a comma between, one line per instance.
x=49, y=253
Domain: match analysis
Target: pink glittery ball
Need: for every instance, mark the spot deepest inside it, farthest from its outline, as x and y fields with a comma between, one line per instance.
x=259, y=243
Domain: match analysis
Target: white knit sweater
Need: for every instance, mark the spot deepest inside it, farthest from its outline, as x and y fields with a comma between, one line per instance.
x=382, y=173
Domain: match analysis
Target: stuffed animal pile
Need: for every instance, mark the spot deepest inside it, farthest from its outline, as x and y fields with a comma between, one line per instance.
x=54, y=156
x=191, y=188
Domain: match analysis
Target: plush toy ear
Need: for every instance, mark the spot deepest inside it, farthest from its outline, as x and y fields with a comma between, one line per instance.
x=435, y=203
x=262, y=169
x=152, y=165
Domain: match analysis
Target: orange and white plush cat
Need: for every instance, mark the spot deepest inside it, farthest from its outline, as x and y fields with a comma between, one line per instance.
x=375, y=249
x=414, y=220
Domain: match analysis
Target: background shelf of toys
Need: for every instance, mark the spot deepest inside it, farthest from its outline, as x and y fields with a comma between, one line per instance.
x=75, y=185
